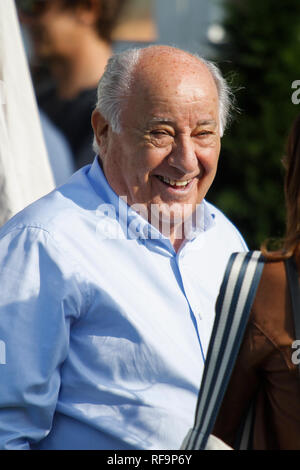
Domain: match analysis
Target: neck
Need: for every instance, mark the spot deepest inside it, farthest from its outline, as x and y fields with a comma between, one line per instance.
x=177, y=237
x=83, y=69
x=177, y=244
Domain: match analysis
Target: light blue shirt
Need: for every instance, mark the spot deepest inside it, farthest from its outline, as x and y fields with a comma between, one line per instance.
x=103, y=328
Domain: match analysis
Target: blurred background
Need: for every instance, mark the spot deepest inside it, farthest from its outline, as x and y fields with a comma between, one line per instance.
x=255, y=43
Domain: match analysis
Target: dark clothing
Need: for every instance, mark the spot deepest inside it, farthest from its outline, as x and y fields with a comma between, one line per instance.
x=73, y=118
x=264, y=367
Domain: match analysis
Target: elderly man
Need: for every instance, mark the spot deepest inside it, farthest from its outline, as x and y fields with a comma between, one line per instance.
x=108, y=284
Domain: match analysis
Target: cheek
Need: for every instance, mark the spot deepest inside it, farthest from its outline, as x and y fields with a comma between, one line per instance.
x=208, y=158
x=153, y=157
x=62, y=33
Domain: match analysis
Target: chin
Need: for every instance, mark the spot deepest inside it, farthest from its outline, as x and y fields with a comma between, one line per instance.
x=172, y=214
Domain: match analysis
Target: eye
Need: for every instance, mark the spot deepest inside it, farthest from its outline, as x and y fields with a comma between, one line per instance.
x=161, y=137
x=204, y=133
x=159, y=132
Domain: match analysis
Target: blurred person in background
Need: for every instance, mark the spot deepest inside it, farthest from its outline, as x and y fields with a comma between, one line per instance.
x=59, y=151
x=72, y=40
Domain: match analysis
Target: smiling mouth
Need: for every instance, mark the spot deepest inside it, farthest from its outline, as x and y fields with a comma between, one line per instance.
x=175, y=183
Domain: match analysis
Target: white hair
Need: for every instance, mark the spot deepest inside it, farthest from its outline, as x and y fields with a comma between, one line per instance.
x=116, y=84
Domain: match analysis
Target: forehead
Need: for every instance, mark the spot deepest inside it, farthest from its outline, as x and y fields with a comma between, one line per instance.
x=172, y=87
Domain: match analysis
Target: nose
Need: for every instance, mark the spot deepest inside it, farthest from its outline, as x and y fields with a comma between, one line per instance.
x=183, y=155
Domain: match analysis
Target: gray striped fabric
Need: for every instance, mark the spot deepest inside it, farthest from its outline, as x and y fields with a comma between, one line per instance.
x=233, y=306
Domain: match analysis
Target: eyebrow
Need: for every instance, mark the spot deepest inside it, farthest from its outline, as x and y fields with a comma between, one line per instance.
x=161, y=120
x=165, y=120
x=206, y=122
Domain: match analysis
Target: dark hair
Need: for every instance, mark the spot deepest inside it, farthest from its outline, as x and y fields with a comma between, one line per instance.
x=291, y=242
x=109, y=13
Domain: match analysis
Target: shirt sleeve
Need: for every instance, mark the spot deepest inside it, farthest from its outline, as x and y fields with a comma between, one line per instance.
x=40, y=298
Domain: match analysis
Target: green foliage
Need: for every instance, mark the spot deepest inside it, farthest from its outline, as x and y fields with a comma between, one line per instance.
x=263, y=52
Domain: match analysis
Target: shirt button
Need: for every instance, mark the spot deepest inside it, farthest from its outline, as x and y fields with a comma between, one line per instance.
x=199, y=314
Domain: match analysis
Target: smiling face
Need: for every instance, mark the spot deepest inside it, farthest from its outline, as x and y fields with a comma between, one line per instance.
x=167, y=152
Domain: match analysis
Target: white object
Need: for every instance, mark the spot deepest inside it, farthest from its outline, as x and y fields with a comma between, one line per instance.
x=25, y=172
x=214, y=443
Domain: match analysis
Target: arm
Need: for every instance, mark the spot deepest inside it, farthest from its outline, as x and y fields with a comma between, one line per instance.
x=39, y=299
x=243, y=384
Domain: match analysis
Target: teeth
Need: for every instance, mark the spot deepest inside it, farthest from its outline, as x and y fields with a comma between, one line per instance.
x=174, y=182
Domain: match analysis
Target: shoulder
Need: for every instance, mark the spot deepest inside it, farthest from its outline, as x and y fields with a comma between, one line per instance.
x=273, y=273
x=271, y=311
x=54, y=211
x=272, y=286
x=223, y=225
x=219, y=217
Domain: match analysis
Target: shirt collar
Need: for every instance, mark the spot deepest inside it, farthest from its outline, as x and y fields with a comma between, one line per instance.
x=133, y=224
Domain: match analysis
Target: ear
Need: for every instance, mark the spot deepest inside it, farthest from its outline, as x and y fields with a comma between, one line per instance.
x=100, y=126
